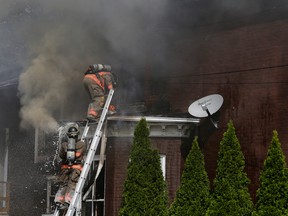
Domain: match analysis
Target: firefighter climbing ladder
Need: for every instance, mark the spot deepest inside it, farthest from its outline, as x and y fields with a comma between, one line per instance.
x=77, y=198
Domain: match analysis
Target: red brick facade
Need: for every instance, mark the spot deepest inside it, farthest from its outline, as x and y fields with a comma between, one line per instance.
x=117, y=155
x=248, y=66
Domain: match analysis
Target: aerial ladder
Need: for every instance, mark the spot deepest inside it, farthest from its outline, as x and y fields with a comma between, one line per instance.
x=75, y=204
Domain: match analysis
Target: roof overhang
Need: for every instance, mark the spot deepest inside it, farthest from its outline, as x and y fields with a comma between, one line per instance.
x=124, y=126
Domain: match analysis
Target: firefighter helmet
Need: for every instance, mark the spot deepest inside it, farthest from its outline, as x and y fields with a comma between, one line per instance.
x=90, y=70
x=73, y=132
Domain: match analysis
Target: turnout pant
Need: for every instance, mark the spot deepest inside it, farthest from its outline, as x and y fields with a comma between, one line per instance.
x=68, y=181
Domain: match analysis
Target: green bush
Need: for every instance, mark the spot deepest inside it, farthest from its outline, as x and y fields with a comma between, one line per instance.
x=272, y=195
x=145, y=190
x=192, y=197
x=230, y=196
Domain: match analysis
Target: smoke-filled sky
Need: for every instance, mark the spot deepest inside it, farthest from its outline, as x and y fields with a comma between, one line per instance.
x=57, y=40
x=51, y=43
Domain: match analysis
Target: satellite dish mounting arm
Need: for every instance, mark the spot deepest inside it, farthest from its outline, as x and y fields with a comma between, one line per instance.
x=205, y=108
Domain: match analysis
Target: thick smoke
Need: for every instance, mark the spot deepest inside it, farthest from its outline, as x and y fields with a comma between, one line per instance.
x=63, y=37
x=45, y=85
x=60, y=38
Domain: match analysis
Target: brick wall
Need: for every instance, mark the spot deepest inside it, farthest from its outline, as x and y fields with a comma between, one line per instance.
x=248, y=66
x=117, y=155
x=171, y=148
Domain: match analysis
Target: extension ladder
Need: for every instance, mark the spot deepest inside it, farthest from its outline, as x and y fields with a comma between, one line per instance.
x=75, y=204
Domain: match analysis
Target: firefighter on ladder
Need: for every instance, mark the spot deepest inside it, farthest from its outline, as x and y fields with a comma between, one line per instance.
x=97, y=80
x=71, y=153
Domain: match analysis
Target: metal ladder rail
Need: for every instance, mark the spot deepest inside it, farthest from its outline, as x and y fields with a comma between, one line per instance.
x=85, y=132
x=97, y=136
x=101, y=161
x=56, y=212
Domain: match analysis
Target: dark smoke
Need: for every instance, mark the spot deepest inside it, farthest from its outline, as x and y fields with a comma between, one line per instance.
x=57, y=39
x=63, y=37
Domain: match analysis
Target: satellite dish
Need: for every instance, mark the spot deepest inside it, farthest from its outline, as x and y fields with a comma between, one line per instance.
x=206, y=106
